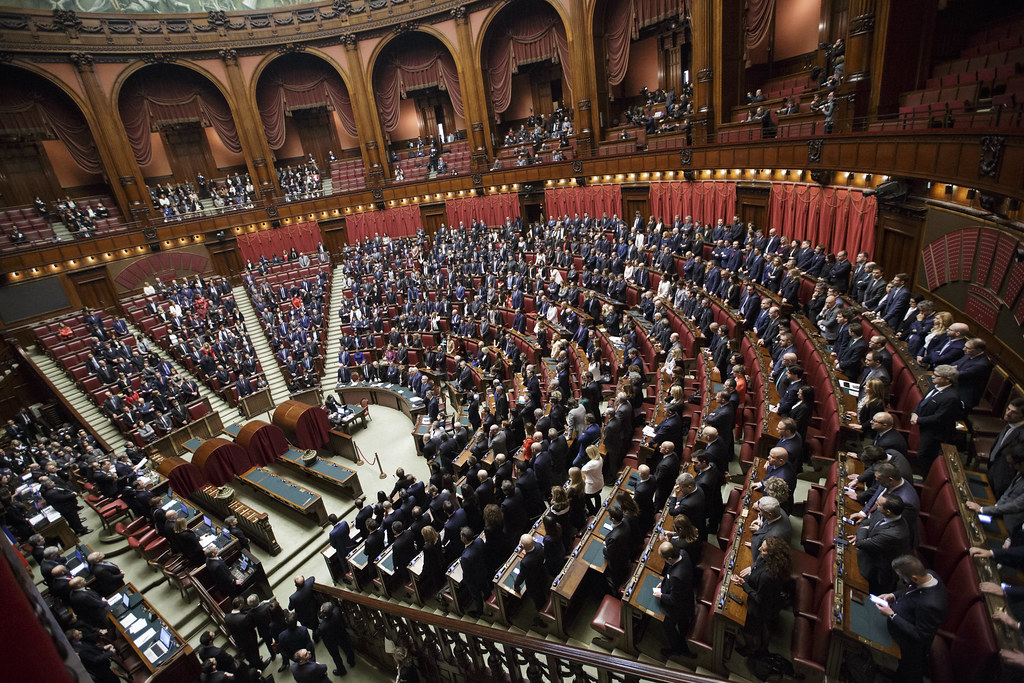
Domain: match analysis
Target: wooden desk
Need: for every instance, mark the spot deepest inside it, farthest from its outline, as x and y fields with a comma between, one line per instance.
x=382, y=394
x=173, y=444
x=285, y=492
x=332, y=474
x=179, y=662
x=360, y=566
x=255, y=524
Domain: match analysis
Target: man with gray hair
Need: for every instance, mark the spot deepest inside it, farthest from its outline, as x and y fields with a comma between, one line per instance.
x=771, y=522
x=936, y=415
x=688, y=499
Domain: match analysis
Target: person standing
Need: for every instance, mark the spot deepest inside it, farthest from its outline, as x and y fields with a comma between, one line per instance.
x=306, y=670
x=303, y=603
x=675, y=593
x=914, y=615
x=334, y=634
x=616, y=551
x=532, y=572
x=242, y=630
x=765, y=588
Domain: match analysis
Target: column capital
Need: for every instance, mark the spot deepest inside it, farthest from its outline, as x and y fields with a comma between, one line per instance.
x=459, y=14
x=82, y=61
x=228, y=55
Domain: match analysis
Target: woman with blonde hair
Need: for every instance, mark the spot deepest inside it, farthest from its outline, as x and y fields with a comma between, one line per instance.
x=871, y=401
x=675, y=357
x=577, y=498
x=593, y=479
x=936, y=337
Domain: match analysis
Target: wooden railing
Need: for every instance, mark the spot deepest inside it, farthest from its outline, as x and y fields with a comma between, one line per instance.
x=456, y=651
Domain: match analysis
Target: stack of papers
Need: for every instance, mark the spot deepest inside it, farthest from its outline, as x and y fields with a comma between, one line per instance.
x=649, y=431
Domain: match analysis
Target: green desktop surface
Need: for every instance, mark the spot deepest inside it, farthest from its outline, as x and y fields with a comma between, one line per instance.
x=867, y=622
x=281, y=487
x=193, y=444
x=321, y=466
x=644, y=593
x=233, y=430
x=593, y=554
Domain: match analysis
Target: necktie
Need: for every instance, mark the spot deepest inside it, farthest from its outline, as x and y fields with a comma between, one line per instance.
x=999, y=442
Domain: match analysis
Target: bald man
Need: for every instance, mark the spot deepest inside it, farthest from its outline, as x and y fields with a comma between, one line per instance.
x=532, y=572
x=676, y=596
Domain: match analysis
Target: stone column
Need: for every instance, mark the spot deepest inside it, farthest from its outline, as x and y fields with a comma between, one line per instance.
x=368, y=123
x=255, y=149
x=122, y=170
x=702, y=28
x=474, y=91
x=584, y=77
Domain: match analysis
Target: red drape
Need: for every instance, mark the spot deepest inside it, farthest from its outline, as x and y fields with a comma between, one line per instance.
x=303, y=236
x=312, y=428
x=706, y=201
x=838, y=218
x=226, y=460
x=266, y=444
x=524, y=39
x=148, y=102
x=595, y=200
x=491, y=209
x=413, y=70
x=23, y=109
x=622, y=26
x=296, y=86
x=757, y=22
x=401, y=221
x=185, y=477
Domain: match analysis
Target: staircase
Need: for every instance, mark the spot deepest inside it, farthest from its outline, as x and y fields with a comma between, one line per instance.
x=217, y=404
x=330, y=378
x=78, y=398
x=275, y=378
x=61, y=231
x=326, y=184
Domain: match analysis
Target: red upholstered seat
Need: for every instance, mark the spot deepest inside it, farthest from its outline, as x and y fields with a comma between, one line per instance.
x=963, y=592
x=810, y=640
x=810, y=592
x=711, y=559
x=970, y=653
x=608, y=619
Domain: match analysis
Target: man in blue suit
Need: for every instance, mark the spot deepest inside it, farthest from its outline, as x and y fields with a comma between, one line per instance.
x=896, y=303
x=914, y=615
x=475, y=576
x=949, y=351
x=974, y=368
x=591, y=435
x=936, y=415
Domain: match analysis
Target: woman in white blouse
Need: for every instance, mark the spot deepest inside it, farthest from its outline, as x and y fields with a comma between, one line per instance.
x=593, y=479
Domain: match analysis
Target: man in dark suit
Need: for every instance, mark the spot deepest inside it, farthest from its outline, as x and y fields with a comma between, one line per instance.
x=723, y=419
x=716, y=449
x=87, y=603
x=665, y=473
x=711, y=480
x=914, y=616
x=778, y=466
x=889, y=482
x=292, y=640
x=303, y=603
x=771, y=522
x=791, y=397
x=886, y=436
x=936, y=415
x=879, y=540
x=476, y=578
x=688, y=499
x=617, y=546
x=334, y=634
x=851, y=358
x=676, y=595
x=533, y=573
x=789, y=439
x=1010, y=505
x=1000, y=474
x=404, y=551
x=108, y=576
x=974, y=368
x=242, y=630
x=897, y=302
x=643, y=495
x=306, y=670
x=261, y=617
x=839, y=276
x=219, y=572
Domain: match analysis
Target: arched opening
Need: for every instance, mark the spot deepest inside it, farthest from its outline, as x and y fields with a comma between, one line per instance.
x=642, y=56
x=419, y=98
x=306, y=111
x=46, y=146
x=184, y=138
x=526, y=69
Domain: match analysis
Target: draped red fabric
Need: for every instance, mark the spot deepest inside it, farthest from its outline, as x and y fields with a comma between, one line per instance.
x=292, y=85
x=757, y=22
x=491, y=209
x=706, y=201
x=415, y=69
x=266, y=444
x=595, y=200
x=186, y=478
x=227, y=460
x=838, y=218
x=303, y=236
x=401, y=221
x=525, y=38
x=622, y=24
x=23, y=109
x=188, y=97
x=312, y=428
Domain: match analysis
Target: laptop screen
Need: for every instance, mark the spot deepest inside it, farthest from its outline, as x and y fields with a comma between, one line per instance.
x=208, y=521
x=165, y=637
x=125, y=600
x=243, y=564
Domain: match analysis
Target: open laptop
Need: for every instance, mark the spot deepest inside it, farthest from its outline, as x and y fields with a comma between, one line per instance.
x=161, y=647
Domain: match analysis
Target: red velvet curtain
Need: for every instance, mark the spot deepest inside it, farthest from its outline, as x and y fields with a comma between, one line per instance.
x=266, y=444
x=491, y=209
x=524, y=39
x=757, y=22
x=147, y=102
x=227, y=460
x=303, y=236
x=595, y=200
x=186, y=478
x=622, y=26
x=24, y=109
x=706, y=201
x=312, y=428
x=397, y=222
x=295, y=86
x=412, y=70
x=838, y=218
